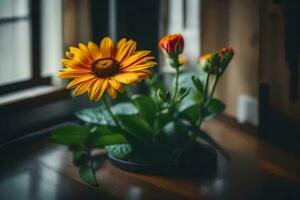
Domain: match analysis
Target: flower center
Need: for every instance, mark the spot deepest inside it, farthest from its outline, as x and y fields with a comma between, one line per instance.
x=105, y=67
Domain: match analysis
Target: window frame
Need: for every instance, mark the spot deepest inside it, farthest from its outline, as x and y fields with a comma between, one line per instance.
x=36, y=76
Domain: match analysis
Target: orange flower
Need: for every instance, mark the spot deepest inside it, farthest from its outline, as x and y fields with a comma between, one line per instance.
x=172, y=44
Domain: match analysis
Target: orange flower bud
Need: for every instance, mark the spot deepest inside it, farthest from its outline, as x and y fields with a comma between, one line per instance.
x=216, y=63
x=226, y=54
x=229, y=50
x=209, y=63
x=172, y=44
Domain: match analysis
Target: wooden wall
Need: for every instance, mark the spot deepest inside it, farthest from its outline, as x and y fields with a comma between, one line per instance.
x=233, y=23
x=274, y=70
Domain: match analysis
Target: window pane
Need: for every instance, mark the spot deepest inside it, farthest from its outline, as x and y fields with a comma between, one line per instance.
x=191, y=31
x=51, y=30
x=14, y=8
x=15, y=52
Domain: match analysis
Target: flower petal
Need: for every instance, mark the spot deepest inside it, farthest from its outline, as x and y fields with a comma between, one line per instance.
x=97, y=89
x=139, y=61
x=79, y=80
x=83, y=87
x=70, y=55
x=94, y=49
x=111, y=91
x=130, y=77
x=121, y=43
x=115, y=84
x=74, y=64
x=133, y=58
x=69, y=74
x=107, y=48
x=93, y=88
x=139, y=67
x=79, y=56
x=126, y=50
x=85, y=51
x=100, y=90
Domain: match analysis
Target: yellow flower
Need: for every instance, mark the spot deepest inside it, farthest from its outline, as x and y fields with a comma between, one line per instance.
x=108, y=66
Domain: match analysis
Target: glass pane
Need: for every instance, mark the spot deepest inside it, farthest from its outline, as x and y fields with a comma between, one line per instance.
x=191, y=32
x=14, y=8
x=51, y=30
x=15, y=52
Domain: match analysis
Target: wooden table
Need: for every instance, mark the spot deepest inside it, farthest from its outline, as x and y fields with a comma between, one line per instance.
x=34, y=169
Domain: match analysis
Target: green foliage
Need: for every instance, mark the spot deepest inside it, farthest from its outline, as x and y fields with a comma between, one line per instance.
x=100, y=115
x=119, y=151
x=80, y=156
x=162, y=118
x=163, y=96
x=125, y=108
x=100, y=141
x=88, y=175
x=173, y=140
x=136, y=126
x=191, y=113
x=194, y=96
x=176, y=134
x=146, y=107
x=198, y=84
x=96, y=115
x=213, y=108
x=70, y=135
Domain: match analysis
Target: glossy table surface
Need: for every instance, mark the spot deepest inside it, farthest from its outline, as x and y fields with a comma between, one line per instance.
x=34, y=169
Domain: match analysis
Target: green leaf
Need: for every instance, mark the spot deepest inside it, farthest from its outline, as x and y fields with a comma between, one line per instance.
x=102, y=141
x=213, y=108
x=79, y=156
x=119, y=151
x=191, y=113
x=162, y=119
x=106, y=130
x=88, y=176
x=177, y=134
x=198, y=84
x=136, y=126
x=70, y=135
x=105, y=135
x=146, y=107
x=96, y=115
x=124, y=108
x=194, y=96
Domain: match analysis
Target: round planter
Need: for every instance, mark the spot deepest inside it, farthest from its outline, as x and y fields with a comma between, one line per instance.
x=202, y=161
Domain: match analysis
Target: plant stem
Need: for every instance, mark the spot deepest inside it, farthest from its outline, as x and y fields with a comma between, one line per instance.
x=176, y=84
x=206, y=87
x=110, y=112
x=204, y=101
x=214, y=86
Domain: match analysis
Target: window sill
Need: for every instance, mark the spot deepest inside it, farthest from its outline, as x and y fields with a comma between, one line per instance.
x=32, y=97
x=27, y=93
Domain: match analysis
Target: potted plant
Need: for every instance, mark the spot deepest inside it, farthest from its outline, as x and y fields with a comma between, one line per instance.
x=155, y=133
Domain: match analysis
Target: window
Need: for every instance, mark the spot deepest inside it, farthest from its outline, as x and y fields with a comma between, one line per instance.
x=31, y=43
x=184, y=17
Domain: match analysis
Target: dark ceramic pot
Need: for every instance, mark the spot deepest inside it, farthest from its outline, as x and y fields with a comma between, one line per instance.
x=203, y=160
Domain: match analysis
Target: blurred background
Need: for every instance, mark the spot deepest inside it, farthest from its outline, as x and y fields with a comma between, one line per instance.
x=260, y=88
